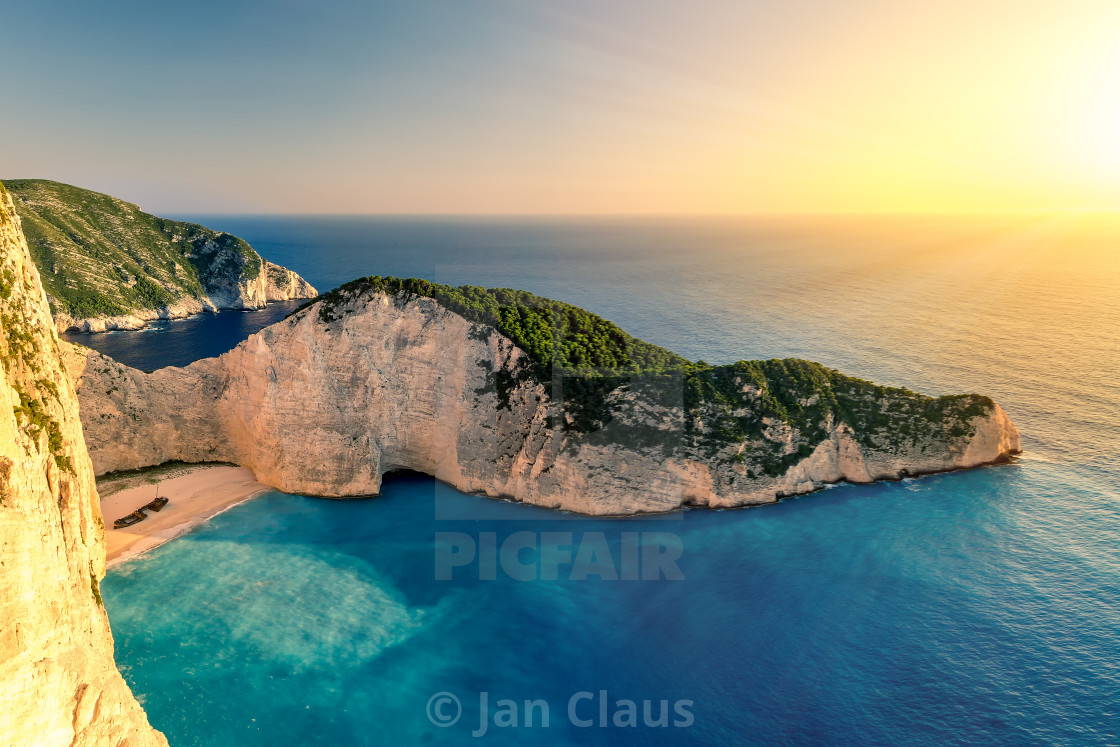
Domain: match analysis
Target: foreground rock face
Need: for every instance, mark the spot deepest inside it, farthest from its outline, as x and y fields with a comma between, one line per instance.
x=106, y=264
x=58, y=682
x=325, y=404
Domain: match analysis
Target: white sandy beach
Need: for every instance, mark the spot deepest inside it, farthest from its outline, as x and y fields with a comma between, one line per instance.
x=194, y=492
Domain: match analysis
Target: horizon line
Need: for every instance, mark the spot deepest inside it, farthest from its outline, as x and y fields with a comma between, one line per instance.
x=769, y=214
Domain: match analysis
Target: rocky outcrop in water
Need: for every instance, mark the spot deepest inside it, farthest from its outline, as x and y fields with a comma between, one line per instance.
x=367, y=381
x=106, y=264
x=58, y=682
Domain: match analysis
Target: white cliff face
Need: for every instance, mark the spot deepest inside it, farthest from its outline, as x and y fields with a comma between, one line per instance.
x=328, y=408
x=58, y=682
x=281, y=284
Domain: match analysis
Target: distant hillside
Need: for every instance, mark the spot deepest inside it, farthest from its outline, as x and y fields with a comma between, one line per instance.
x=106, y=264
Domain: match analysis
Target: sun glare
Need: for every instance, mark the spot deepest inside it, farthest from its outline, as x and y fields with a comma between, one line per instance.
x=1093, y=108
x=1102, y=127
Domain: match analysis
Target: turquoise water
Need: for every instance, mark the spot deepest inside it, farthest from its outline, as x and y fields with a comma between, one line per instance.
x=968, y=608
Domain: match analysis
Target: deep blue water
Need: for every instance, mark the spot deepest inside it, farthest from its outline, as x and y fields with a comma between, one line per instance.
x=183, y=341
x=969, y=608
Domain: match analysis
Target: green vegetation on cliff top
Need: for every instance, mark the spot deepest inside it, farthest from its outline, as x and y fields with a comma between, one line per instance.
x=100, y=256
x=551, y=332
x=586, y=358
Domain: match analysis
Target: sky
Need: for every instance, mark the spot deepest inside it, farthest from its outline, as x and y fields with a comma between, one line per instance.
x=568, y=106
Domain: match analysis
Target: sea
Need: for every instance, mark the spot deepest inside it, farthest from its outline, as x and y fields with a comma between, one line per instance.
x=972, y=608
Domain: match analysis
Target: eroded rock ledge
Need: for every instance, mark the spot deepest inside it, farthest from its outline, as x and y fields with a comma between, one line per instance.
x=329, y=400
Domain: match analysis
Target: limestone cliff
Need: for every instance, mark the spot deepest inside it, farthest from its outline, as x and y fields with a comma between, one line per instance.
x=106, y=264
x=58, y=682
x=367, y=381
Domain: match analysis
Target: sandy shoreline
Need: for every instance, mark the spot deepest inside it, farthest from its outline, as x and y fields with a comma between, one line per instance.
x=195, y=493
